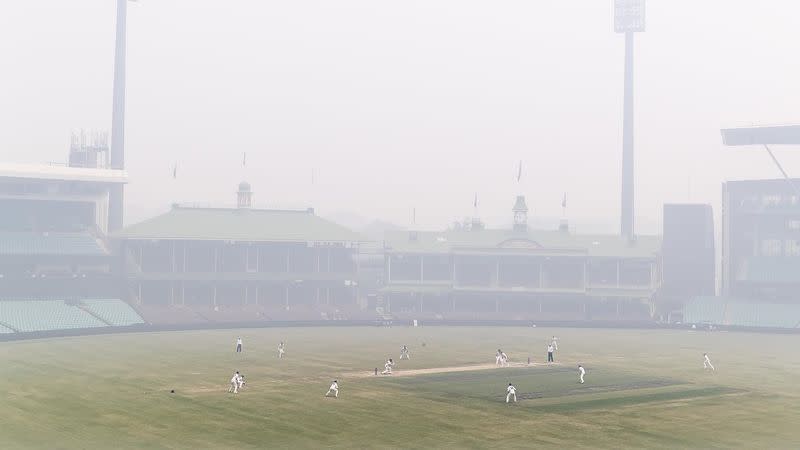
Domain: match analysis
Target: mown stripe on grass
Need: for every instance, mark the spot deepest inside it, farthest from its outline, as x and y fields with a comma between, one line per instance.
x=628, y=400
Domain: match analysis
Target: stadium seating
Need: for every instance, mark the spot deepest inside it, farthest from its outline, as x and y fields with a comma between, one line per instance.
x=705, y=310
x=115, y=312
x=45, y=315
x=731, y=312
x=31, y=315
x=53, y=243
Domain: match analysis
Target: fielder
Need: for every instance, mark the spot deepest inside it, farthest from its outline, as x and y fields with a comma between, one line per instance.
x=281, y=351
x=234, y=383
x=511, y=391
x=707, y=363
x=333, y=389
x=581, y=371
x=404, y=354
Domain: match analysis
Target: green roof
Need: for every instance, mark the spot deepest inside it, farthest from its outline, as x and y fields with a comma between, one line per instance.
x=53, y=243
x=531, y=241
x=255, y=225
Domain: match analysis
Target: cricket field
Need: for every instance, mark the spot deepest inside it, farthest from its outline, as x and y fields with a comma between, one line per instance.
x=644, y=389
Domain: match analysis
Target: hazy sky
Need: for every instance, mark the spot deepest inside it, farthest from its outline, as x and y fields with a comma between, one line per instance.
x=401, y=105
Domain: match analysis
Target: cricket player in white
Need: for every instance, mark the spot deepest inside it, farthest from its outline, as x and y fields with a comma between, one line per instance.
x=503, y=359
x=234, y=383
x=404, y=354
x=281, y=351
x=550, y=350
x=581, y=371
x=387, y=368
x=707, y=362
x=238, y=345
x=333, y=389
x=511, y=392
x=498, y=357
x=554, y=342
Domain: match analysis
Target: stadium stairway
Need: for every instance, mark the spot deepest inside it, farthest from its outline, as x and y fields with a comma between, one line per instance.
x=6, y=329
x=111, y=311
x=88, y=311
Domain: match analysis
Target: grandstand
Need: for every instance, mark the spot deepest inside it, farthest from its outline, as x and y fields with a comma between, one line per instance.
x=761, y=240
x=54, y=250
x=241, y=265
x=474, y=273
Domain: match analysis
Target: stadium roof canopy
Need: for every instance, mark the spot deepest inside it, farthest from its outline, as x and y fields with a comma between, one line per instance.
x=61, y=173
x=543, y=242
x=762, y=135
x=245, y=225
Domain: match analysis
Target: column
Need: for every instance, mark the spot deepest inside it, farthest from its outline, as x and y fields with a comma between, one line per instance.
x=216, y=260
x=541, y=281
x=584, y=274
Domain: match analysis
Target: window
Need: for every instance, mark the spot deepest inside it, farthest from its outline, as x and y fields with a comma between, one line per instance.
x=252, y=259
x=771, y=200
x=792, y=247
x=770, y=247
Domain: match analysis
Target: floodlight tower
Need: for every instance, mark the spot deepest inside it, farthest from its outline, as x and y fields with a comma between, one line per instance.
x=116, y=195
x=628, y=19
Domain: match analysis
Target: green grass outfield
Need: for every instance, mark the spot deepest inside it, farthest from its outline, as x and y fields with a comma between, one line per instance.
x=644, y=389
